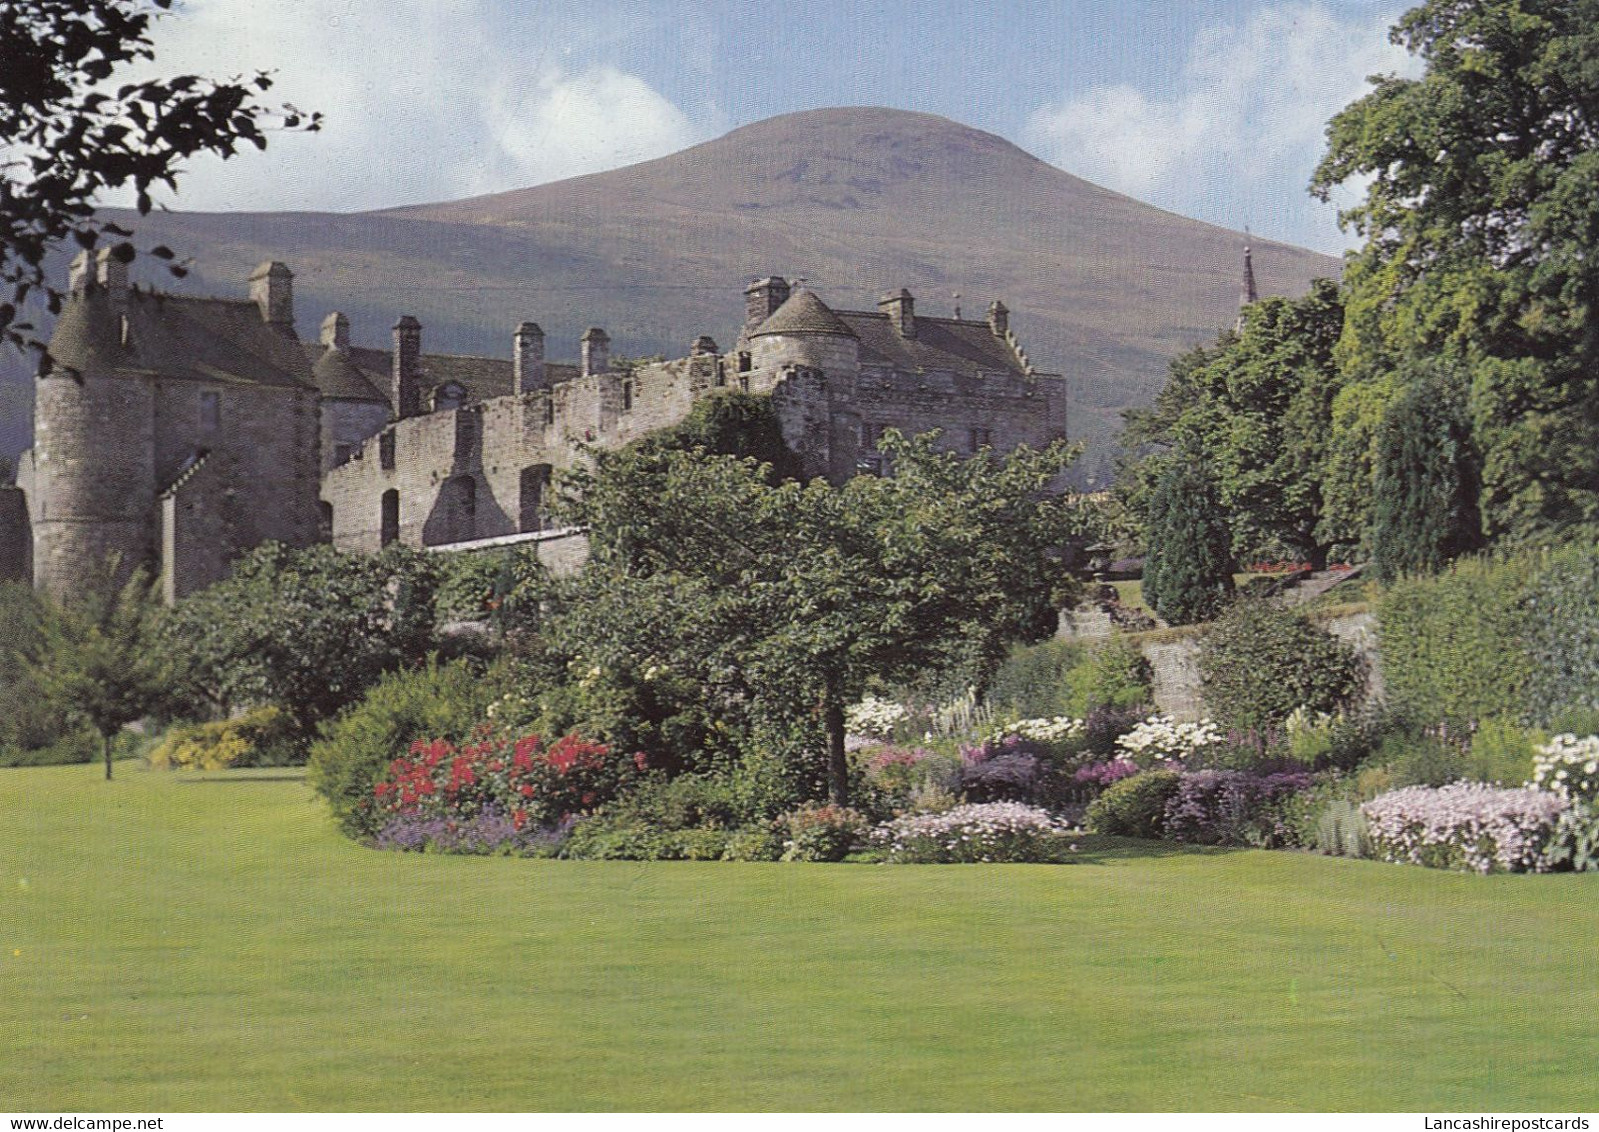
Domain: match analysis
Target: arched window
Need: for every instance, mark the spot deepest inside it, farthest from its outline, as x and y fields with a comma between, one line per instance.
x=391, y=517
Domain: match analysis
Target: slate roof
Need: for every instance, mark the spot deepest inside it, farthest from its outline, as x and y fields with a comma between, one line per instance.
x=961, y=346
x=178, y=338
x=803, y=313
x=365, y=374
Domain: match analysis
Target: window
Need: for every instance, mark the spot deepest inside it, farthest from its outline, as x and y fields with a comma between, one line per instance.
x=549, y=410
x=745, y=362
x=342, y=453
x=210, y=411
x=871, y=434
x=390, y=531
x=627, y=396
x=977, y=439
x=386, y=451
x=450, y=395
x=325, y=520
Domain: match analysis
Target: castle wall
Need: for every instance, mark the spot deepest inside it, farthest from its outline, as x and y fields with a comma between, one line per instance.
x=348, y=424
x=506, y=449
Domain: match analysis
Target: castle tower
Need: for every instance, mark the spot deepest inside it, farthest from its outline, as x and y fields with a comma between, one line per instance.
x=596, y=352
x=93, y=487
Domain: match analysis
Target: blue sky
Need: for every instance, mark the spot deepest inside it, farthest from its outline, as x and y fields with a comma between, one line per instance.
x=1211, y=108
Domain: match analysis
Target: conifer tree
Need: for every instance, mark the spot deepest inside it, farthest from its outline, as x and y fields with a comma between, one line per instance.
x=1425, y=485
x=1188, y=566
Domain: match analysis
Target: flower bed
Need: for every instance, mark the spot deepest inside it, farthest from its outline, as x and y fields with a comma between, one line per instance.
x=439, y=794
x=986, y=832
x=1568, y=766
x=1467, y=825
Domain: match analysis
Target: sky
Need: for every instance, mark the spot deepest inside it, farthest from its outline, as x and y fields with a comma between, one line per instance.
x=1210, y=108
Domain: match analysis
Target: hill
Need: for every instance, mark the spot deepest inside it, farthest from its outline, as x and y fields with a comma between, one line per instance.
x=857, y=201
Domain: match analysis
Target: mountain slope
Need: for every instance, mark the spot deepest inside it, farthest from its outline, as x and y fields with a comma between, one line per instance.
x=857, y=201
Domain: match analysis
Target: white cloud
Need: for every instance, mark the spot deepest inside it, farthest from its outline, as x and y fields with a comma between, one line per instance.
x=422, y=101
x=1235, y=135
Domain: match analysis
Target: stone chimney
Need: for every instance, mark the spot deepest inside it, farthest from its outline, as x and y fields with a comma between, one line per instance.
x=901, y=311
x=761, y=300
x=527, y=359
x=81, y=273
x=998, y=319
x=407, y=368
x=596, y=352
x=336, y=332
x=111, y=273
x=703, y=345
x=272, y=289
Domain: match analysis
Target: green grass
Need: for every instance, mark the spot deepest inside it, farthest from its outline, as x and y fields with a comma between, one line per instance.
x=171, y=944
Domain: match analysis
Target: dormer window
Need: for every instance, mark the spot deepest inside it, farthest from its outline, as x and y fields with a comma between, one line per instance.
x=450, y=395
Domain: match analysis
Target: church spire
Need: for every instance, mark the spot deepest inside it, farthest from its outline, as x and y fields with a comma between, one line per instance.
x=1248, y=294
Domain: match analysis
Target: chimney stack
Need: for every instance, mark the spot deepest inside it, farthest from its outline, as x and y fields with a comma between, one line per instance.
x=80, y=274
x=761, y=300
x=336, y=332
x=407, y=369
x=998, y=319
x=527, y=358
x=272, y=289
x=111, y=273
x=901, y=311
x=596, y=352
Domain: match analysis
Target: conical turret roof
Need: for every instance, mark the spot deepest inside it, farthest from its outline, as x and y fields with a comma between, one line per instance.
x=804, y=313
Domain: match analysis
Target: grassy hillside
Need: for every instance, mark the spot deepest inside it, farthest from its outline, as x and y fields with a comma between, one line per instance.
x=182, y=944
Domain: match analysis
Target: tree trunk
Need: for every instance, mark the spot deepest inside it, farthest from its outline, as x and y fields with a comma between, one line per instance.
x=105, y=747
x=1318, y=557
x=837, y=766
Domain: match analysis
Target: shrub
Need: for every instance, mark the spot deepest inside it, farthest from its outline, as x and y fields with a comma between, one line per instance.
x=1259, y=664
x=1007, y=770
x=356, y=749
x=822, y=833
x=1233, y=807
x=1134, y=807
x=1104, y=726
x=1561, y=636
x=1576, y=839
x=1161, y=741
x=1033, y=680
x=1342, y=830
x=612, y=838
x=897, y=773
x=1094, y=778
x=994, y=832
x=1453, y=646
x=1503, y=752
x=1468, y=826
x=1432, y=757
x=1115, y=674
x=263, y=737
x=761, y=842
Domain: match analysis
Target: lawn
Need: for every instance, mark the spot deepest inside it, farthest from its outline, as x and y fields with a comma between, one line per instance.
x=170, y=944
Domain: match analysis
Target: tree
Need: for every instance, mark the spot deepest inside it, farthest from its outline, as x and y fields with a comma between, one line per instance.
x=1258, y=406
x=716, y=592
x=68, y=137
x=1188, y=566
x=1424, y=510
x=1479, y=219
x=99, y=653
x=308, y=630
